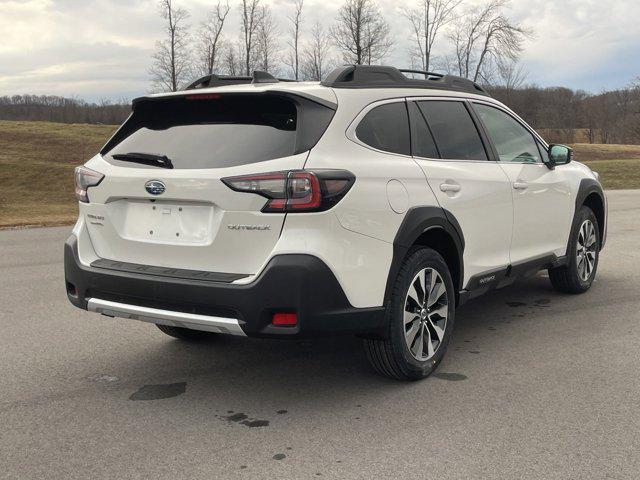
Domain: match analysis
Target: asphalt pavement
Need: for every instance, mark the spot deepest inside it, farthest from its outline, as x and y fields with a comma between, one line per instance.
x=535, y=384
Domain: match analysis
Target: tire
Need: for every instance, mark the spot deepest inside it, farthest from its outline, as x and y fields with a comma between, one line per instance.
x=392, y=356
x=572, y=277
x=185, y=333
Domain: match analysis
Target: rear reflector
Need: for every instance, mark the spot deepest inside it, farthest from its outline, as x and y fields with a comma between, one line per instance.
x=284, y=319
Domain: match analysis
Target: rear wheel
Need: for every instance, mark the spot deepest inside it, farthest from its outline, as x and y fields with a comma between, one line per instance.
x=185, y=333
x=420, y=318
x=584, y=252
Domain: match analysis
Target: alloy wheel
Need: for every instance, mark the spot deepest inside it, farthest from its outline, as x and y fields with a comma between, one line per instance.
x=586, y=250
x=426, y=308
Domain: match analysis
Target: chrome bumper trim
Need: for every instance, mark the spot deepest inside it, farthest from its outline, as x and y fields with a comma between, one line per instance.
x=193, y=321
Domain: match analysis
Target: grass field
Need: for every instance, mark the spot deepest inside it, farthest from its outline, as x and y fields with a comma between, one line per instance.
x=36, y=169
x=37, y=161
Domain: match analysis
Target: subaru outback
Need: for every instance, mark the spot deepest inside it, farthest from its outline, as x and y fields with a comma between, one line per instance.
x=372, y=203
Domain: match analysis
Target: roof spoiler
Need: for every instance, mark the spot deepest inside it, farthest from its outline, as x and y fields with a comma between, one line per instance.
x=214, y=80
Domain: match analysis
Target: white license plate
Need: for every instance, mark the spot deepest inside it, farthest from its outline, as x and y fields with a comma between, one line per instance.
x=169, y=222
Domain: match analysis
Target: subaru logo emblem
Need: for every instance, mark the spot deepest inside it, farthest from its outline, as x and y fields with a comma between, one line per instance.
x=155, y=187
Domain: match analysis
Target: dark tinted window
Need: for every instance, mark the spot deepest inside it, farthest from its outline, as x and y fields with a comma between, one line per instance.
x=216, y=131
x=454, y=131
x=513, y=142
x=386, y=128
x=421, y=138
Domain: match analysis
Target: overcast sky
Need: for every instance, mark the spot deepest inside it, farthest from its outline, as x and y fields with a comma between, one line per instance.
x=101, y=48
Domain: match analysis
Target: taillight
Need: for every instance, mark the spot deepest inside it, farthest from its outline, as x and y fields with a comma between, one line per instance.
x=296, y=190
x=85, y=178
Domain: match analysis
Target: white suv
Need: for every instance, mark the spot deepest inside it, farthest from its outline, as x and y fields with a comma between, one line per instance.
x=370, y=203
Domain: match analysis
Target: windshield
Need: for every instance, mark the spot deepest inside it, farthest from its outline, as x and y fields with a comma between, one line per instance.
x=217, y=131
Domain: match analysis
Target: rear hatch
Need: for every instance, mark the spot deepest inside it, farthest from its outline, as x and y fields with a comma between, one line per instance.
x=185, y=217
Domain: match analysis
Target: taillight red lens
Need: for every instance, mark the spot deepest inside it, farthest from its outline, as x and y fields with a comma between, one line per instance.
x=297, y=190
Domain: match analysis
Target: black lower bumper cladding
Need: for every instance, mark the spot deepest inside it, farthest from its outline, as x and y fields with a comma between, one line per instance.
x=289, y=283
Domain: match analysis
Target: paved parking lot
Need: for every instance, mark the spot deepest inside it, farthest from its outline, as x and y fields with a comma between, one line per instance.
x=535, y=385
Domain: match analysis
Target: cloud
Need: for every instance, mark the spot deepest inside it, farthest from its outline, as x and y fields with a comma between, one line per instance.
x=102, y=48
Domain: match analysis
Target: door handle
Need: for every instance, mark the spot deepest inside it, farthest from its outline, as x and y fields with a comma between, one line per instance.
x=520, y=185
x=449, y=187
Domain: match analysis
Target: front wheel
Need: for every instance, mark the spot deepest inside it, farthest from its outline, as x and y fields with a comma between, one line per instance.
x=583, y=255
x=420, y=318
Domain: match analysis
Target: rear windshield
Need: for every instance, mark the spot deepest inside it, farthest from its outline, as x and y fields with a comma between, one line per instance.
x=216, y=131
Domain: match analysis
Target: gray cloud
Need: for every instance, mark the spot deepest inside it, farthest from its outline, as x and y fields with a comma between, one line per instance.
x=101, y=48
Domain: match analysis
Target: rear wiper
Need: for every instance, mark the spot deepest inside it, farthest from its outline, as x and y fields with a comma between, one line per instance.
x=161, y=161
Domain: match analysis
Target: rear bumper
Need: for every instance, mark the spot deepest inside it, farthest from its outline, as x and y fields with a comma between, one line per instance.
x=289, y=283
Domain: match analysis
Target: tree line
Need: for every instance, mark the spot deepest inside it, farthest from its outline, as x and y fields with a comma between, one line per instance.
x=50, y=108
x=560, y=114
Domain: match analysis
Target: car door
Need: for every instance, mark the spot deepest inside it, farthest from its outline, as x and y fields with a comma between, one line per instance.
x=475, y=190
x=543, y=206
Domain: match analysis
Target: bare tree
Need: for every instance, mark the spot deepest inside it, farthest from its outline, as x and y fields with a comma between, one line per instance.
x=511, y=74
x=267, y=45
x=293, y=58
x=210, y=38
x=315, y=56
x=233, y=59
x=361, y=33
x=250, y=12
x=171, y=60
x=427, y=21
x=485, y=36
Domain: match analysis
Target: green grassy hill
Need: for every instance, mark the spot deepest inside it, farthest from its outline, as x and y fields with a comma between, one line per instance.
x=36, y=169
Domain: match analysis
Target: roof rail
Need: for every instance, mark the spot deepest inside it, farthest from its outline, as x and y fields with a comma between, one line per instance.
x=370, y=76
x=214, y=80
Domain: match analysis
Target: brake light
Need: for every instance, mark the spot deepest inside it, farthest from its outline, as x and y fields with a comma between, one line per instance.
x=296, y=190
x=85, y=178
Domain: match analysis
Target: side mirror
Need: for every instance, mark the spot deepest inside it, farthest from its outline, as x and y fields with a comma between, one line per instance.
x=559, y=155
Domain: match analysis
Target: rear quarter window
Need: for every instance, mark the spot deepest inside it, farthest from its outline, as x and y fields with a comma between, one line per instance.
x=386, y=128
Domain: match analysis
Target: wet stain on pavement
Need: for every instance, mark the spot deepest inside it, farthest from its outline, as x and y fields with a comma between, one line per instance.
x=516, y=304
x=158, y=392
x=543, y=301
x=237, y=417
x=453, y=377
x=279, y=456
x=255, y=423
x=243, y=419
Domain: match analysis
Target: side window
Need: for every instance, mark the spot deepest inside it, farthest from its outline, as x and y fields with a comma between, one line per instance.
x=453, y=130
x=513, y=142
x=422, y=142
x=386, y=128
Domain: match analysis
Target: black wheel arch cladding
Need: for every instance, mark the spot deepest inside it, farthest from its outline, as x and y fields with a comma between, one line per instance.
x=590, y=194
x=433, y=227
